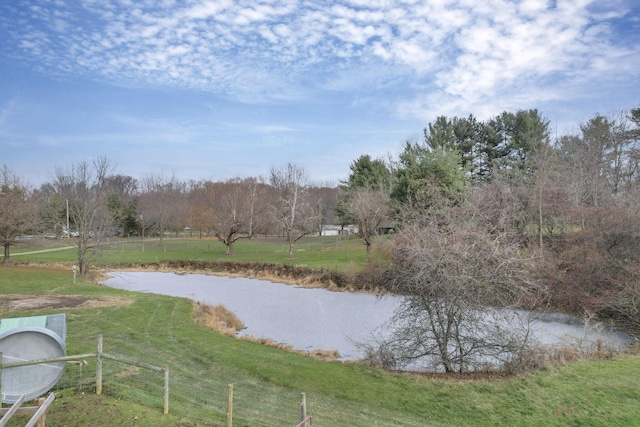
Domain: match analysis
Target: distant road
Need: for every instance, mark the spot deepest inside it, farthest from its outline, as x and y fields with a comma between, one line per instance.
x=65, y=248
x=40, y=251
x=72, y=247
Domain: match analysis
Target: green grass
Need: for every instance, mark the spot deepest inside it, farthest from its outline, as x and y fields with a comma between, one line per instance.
x=314, y=252
x=268, y=382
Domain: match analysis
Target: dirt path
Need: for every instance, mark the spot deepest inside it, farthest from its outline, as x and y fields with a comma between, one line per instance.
x=41, y=251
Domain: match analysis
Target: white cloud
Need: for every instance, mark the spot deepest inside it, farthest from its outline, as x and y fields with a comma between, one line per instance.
x=472, y=53
x=207, y=9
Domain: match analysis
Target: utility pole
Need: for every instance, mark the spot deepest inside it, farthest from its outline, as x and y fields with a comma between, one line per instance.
x=68, y=231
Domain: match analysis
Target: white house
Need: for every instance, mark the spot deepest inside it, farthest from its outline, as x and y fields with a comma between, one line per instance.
x=338, y=230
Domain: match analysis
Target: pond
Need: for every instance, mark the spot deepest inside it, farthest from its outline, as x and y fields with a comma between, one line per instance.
x=310, y=319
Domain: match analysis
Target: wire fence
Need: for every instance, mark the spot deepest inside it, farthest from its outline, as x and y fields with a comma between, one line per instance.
x=198, y=396
x=206, y=396
x=203, y=398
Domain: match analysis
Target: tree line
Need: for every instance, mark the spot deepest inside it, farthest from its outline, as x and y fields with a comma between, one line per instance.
x=90, y=202
x=496, y=213
x=500, y=214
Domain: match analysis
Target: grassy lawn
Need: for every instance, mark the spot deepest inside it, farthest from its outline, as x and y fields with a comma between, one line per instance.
x=315, y=252
x=268, y=382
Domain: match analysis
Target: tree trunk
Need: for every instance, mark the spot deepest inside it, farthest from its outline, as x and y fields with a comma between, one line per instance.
x=540, y=222
x=83, y=265
x=83, y=268
x=6, y=260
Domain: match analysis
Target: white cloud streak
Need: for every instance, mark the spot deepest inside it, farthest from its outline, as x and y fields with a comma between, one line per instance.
x=458, y=55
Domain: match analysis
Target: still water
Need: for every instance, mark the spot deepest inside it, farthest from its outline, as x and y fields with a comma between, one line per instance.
x=317, y=318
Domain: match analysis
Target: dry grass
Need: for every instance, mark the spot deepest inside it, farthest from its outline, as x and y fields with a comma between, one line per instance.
x=279, y=273
x=30, y=302
x=318, y=354
x=544, y=357
x=218, y=318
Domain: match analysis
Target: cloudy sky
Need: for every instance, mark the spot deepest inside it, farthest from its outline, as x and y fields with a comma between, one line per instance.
x=216, y=89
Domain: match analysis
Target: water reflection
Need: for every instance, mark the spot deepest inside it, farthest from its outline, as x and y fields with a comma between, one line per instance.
x=316, y=318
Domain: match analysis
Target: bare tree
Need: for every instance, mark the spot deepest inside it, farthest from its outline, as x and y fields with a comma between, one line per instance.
x=257, y=205
x=501, y=207
x=84, y=188
x=123, y=203
x=595, y=269
x=547, y=198
x=200, y=201
x=17, y=213
x=588, y=163
x=324, y=198
x=234, y=209
x=236, y=206
x=455, y=277
x=291, y=209
x=161, y=202
x=368, y=209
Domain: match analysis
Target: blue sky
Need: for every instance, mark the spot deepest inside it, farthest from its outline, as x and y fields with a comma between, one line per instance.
x=217, y=89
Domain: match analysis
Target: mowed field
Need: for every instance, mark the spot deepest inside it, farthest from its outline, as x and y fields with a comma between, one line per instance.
x=330, y=252
x=268, y=382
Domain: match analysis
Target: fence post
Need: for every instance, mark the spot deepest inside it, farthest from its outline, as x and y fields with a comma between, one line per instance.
x=41, y=412
x=303, y=408
x=42, y=419
x=166, y=389
x=230, y=405
x=99, y=366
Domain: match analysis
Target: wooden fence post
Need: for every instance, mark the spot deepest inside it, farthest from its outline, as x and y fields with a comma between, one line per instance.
x=41, y=412
x=230, y=405
x=166, y=389
x=303, y=408
x=99, y=366
x=1, y=378
x=41, y=421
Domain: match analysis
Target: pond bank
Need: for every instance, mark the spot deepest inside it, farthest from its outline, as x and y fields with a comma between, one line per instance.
x=311, y=319
x=277, y=273
x=308, y=319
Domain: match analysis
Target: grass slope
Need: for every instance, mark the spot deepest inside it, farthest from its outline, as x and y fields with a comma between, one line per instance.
x=159, y=330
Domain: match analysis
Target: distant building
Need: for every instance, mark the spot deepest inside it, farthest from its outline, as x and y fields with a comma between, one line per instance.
x=386, y=227
x=338, y=230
